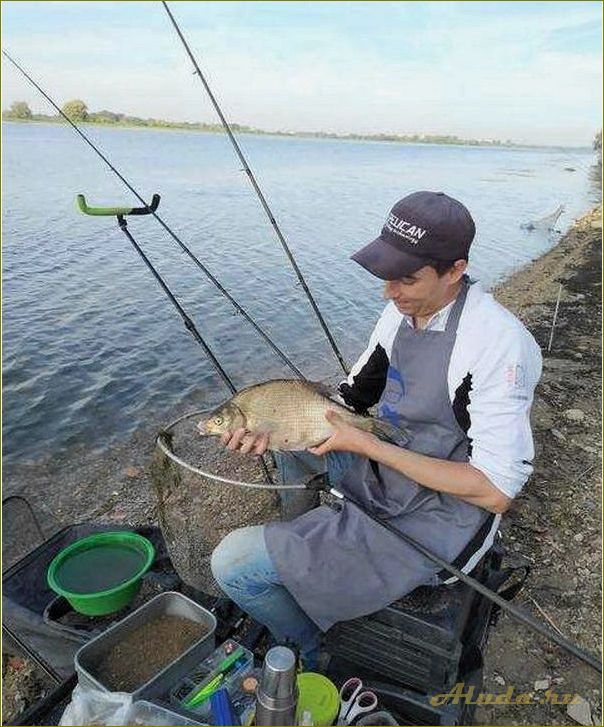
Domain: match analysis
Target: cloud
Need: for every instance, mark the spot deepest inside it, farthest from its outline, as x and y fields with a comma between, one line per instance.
x=503, y=70
x=582, y=38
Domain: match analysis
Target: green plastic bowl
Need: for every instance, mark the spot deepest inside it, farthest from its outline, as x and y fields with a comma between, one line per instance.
x=101, y=573
x=318, y=695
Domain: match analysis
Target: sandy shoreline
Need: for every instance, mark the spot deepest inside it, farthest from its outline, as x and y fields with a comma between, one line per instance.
x=560, y=503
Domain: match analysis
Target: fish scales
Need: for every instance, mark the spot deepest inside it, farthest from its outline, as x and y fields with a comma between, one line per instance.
x=294, y=414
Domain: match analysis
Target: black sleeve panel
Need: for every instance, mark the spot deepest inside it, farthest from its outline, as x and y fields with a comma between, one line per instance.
x=460, y=406
x=369, y=383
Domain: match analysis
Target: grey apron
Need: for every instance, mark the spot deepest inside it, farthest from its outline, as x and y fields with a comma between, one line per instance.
x=339, y=564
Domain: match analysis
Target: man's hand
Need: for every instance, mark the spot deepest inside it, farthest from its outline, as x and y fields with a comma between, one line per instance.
x=246, y=442
x=345, y=438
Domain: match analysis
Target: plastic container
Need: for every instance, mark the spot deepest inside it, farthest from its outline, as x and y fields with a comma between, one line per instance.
x=26, y=594
x=204, y=671
x=89, y=656
x=101, y=573
x=148, y=713
x=318, y=695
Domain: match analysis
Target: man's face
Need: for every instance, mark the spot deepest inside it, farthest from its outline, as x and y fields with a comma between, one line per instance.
x=424, y=292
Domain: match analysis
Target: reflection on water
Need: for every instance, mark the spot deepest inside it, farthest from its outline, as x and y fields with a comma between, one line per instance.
x=91, y=346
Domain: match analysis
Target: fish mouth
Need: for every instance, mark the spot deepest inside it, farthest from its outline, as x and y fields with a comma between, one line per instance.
x=202, y=427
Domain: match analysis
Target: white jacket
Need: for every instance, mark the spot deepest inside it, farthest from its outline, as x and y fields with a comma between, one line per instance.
x=494, y=368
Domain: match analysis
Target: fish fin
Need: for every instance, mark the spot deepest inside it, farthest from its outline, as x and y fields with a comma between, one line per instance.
x=323, y=389
x=332, y=395
x=390, y=433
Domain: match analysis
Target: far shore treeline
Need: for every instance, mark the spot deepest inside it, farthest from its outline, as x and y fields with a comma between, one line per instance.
x=78, y=112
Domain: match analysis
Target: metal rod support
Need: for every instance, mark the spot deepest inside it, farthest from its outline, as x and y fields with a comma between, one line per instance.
x=189, y=325
x=555, y=318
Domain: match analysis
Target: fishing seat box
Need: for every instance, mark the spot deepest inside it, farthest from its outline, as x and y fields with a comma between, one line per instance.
x=424, y=641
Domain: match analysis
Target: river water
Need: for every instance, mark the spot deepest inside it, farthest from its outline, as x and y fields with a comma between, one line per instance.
x=91, y=346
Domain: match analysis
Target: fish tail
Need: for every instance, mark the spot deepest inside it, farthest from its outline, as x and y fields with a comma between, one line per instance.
x=390, y=433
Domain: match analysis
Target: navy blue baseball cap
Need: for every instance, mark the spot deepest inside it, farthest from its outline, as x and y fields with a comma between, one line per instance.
x=420, y=228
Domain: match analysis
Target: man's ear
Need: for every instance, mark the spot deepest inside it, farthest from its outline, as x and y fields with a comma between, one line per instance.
x=458, y=270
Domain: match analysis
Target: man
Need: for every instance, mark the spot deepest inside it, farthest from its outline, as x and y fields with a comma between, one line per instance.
x=457, y=372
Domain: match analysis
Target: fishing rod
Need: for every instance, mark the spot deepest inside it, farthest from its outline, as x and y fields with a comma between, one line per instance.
x=121, y=213
x=572, y=648
x=247, y=169
x=317, y=484
x=525, y=618
x=168, y=229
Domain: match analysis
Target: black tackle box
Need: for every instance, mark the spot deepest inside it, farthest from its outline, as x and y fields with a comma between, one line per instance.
x=425, y=640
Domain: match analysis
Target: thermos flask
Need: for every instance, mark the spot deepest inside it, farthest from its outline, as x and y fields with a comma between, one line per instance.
x=277, y=690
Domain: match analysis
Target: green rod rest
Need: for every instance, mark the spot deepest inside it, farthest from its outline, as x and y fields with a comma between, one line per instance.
x=113, y=211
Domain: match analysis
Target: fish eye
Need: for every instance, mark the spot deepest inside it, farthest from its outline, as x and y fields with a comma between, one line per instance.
x=218, y=420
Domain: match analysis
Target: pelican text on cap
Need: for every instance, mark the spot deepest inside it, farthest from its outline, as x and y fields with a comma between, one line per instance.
x=407, y=230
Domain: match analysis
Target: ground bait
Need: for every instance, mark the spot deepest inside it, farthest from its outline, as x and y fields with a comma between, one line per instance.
x=144, y=652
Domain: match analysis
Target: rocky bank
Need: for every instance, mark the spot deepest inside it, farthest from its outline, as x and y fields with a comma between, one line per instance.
x=556, y=523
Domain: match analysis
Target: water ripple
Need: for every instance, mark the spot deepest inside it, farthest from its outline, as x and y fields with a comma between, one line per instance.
x=91, y=346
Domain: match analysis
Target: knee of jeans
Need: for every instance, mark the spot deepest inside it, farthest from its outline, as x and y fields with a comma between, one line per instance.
x=223, y=555
x=231, y=553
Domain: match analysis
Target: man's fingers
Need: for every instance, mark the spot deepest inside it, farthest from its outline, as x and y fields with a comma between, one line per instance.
x=244, y=441
x=236, y=439
x=320, y=449
x=257, y=445
x=261, y=444
x=248, y=445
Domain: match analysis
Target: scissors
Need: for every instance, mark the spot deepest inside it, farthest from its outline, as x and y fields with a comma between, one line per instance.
x=354, y=701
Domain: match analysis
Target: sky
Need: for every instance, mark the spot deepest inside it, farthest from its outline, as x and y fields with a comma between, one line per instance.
x=530, y=72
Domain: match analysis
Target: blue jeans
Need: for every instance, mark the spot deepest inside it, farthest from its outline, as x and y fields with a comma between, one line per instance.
x=243, y=569
x=300, y=467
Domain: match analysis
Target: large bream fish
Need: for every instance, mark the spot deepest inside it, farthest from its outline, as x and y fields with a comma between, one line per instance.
x=293, y=413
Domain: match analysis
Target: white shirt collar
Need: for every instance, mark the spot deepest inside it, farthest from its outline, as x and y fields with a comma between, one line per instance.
x=437, y=322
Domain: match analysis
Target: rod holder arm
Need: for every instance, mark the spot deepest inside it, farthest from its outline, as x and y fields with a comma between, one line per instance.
x=113, y=211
